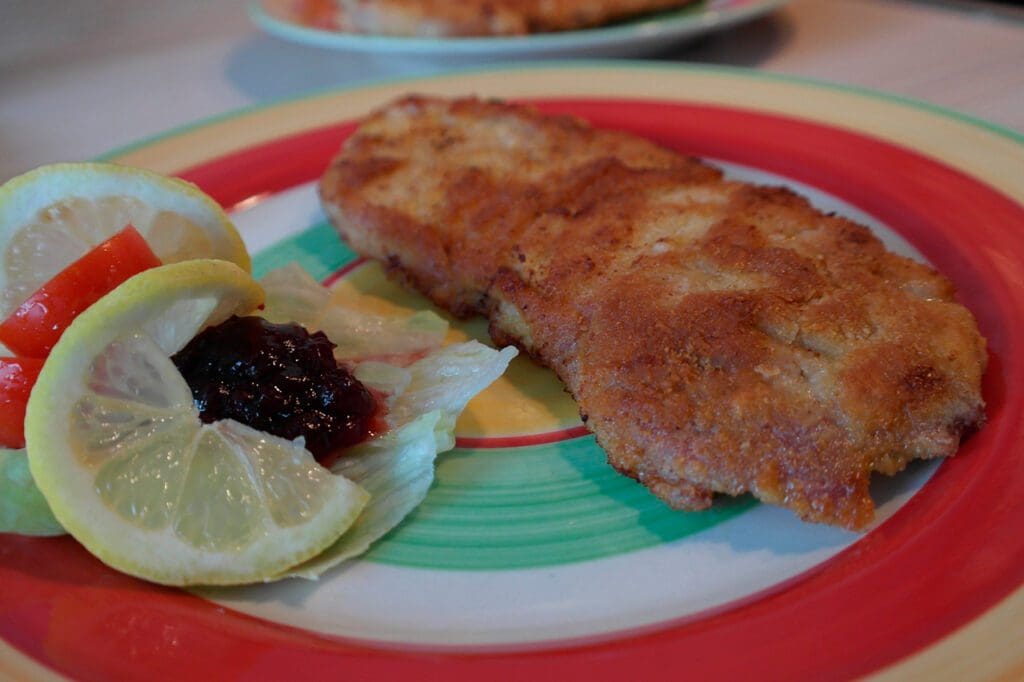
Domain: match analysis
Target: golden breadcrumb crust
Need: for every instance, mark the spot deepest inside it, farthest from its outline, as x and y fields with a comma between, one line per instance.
x=718, y=336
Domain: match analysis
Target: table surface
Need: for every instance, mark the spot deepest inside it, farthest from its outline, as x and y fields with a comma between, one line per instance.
x=78, y=79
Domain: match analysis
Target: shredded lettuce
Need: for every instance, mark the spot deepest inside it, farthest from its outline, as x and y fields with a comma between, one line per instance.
x=23, y=508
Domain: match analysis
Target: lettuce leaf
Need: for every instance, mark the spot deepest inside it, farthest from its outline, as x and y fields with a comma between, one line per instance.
x=23, y=509
x=293, y=296
x=426, y=387
x=448, y=378
x=397, y=470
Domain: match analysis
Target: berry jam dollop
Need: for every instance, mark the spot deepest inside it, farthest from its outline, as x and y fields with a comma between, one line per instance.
x=277, y=378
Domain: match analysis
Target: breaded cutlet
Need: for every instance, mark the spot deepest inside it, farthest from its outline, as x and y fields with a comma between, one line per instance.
x=718, y=336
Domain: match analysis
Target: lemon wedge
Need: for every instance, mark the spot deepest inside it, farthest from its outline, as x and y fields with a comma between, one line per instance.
x=116, y=446
x=54, y=214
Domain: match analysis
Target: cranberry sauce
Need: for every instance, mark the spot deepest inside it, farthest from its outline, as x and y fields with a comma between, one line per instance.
x=277, y=378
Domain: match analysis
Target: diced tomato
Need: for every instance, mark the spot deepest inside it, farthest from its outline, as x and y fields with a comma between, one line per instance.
x=17, y=376
x=34, y=327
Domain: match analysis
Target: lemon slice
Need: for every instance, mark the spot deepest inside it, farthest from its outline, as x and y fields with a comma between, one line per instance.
x=116, y=446
x=51, y=216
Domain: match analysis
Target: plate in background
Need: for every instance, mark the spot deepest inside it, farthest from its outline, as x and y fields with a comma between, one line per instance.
x=312, y=22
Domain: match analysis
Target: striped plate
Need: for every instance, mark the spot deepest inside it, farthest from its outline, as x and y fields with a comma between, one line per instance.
x=530, y=556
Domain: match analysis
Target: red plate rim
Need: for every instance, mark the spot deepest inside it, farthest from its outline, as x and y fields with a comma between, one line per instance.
x=882, y=599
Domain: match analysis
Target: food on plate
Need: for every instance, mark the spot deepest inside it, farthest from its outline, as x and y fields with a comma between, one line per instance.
x=192, y=426
x=117, y=446
x=718, y=336
x=128, y=469
x=23, y=509
x=17, y=377
x=54, y=214
x=36, y=324
x=69, y=233
x=280, y=379
x=424, y=385
x=442, y=18
x=30, y=332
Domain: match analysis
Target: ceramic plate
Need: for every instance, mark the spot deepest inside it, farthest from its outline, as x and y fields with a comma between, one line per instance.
x=313, y=22
x=530, y=556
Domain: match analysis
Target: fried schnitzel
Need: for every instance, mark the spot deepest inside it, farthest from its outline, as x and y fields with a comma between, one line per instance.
x=718, y=336
x=437, y=18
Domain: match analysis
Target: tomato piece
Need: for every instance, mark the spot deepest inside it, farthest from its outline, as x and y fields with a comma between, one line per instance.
x=34, y=327
x=17, y=377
